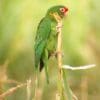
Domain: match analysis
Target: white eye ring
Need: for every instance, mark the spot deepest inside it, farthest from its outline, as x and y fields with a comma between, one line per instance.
x=62, y=9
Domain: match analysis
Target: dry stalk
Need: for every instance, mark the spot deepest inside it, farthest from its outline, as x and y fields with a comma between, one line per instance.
x=28, y=89
x=59, y=55
x=11, y=91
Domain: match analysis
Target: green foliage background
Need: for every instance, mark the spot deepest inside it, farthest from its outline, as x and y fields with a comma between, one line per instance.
x=81, y=44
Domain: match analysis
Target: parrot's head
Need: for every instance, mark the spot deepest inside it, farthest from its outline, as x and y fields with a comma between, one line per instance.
x=59, y=10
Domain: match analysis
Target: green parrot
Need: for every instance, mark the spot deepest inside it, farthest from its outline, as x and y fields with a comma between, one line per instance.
x=46, y=36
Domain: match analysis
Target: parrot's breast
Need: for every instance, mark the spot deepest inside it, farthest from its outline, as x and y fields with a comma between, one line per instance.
x=52, y=40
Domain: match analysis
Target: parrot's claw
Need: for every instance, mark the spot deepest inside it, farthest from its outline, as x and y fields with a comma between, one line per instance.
x=56, y=54
x=59, y=27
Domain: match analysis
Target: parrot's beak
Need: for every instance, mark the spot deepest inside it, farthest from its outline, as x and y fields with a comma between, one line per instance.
x=66, y=10
x=65, y=14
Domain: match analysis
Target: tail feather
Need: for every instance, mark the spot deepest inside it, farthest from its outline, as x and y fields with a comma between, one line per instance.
x=41, y=65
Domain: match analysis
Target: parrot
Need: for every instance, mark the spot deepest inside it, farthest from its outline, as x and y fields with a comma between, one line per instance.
x=46, y=36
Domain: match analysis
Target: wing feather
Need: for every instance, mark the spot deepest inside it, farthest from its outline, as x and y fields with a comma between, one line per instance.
x=42, y=36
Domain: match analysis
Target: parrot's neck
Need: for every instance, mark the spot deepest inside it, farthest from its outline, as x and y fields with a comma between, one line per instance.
x=54, y=17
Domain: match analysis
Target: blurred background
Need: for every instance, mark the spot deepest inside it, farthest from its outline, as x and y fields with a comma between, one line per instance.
x=81, y=46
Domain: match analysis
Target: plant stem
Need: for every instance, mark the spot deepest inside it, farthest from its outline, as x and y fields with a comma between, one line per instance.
x=59, y=57
x=61, y=74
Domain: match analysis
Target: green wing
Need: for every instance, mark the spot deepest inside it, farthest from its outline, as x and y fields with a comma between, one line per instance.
x=42, y=35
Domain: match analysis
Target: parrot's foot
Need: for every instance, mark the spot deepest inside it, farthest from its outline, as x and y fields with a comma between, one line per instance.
x=59, y=27
x=56, y=54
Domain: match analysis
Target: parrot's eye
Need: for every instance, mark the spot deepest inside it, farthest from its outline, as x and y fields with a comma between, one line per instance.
x=62, y=10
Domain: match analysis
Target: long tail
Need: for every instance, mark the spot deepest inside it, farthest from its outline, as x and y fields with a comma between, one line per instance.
x=36, y=85
x=41, y=65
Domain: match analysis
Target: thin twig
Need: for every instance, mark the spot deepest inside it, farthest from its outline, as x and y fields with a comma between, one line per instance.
x=74, y=96
x=57, y=96
x=28, y=89
x=35, y=88
x=11, y=91
x=78, y=67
